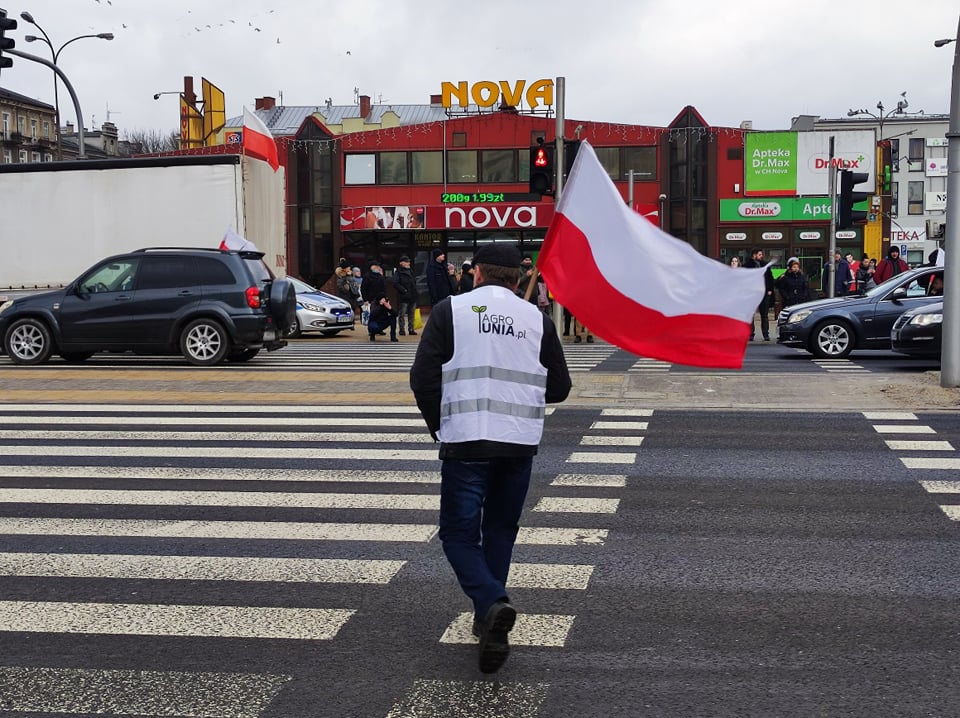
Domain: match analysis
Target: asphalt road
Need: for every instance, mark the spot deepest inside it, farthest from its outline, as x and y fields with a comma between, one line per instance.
x=282, y=562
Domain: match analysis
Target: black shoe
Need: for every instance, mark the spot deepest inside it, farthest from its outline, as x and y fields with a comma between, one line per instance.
x=477, y=628
x=577, y=340
x=402, y=333
x=566, y=334
x=394, y=339
x=373, y=337
x=766, y=339
x=413, y=334
x=494, y=646
x=589, y=340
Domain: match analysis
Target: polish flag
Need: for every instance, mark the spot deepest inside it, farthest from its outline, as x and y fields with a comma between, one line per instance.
x=232, y=240
x=637, y=287
x=257, y=140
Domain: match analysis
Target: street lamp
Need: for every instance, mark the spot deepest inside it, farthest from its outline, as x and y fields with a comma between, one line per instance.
x=902, y=105
x=950, y=353
x=27, y=17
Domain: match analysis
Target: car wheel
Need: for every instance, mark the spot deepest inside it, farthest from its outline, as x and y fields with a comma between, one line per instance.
x=75, y=357
x=833, y=339
x=243, y=355
x=28, y=341
x=283, y=302
x=294, y=331
x=204, y=342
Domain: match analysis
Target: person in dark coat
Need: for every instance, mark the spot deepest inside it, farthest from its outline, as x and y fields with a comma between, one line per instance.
x=841, y=275
x=373, y=284
x=466, y=278
x=756, y=261
x=406, y=285
x=382, y=317
x=890, y=266
x=793, y=284
x=437, y=283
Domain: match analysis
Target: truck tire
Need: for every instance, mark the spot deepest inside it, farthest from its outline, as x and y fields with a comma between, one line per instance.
x=832, y=339
x=204, y=342
x=283, y=302
x=28, y=341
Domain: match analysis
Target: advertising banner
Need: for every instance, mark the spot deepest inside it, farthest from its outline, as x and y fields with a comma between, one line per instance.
x=798, y=163
x=783, y=209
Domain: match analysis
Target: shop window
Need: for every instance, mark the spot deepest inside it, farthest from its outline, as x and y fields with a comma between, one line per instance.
x=321, y=221
x=499, y=166
x=459, y=139
x=462, y=166
x=915, y=154
x=393, y=168
x=361, y=169
x=894, y=199
x=427, y=167
x=915, y=197
x=643, y=162
x=610, y=160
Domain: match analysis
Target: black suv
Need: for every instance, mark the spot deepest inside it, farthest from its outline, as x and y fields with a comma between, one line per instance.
x=207, y=304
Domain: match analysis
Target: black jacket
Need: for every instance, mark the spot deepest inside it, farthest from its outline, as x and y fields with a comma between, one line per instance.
x=437, y=281
x=768, y=282
x=373, y=286
x=466, y=282
x=793, y=288
x=406, y=285
x=436, y=348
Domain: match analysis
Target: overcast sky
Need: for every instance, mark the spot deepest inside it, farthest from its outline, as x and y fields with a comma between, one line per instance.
x=631, y=61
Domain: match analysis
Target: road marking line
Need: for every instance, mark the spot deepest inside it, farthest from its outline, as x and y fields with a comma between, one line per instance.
x=919, y=445
x=200, y=568
x=611, y=441
x=245, y=530
x=221, y=452
x=889, y=415
x=627, y=412
x=920, y=463
x=903, y=429
x=952, y=512
x=584, y=457
x=243, y=424
x=538, y=536
x=126, y=434
x=620, y=425
x=172, y=473
x=549, y=576
x=600, y=480
x=554, y=504
x=259, y=499
x=206, y=409
x=941, y=487
x=122, y=692
x=470, y=699
x=531, y=629
x=133, y=619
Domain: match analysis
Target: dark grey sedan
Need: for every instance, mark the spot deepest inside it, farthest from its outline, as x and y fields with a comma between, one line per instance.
x=832, y=328
x=919, y=332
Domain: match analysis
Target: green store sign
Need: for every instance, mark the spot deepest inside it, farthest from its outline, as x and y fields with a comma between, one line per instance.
x=782, y=209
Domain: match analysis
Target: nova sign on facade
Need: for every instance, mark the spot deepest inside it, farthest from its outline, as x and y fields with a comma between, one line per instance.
x=487, y=93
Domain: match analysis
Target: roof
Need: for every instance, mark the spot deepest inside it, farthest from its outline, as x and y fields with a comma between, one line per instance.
x=17, y=97
x=283, y=120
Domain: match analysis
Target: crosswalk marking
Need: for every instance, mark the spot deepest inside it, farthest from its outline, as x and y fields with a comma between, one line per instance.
x=470, y=699
x=626, y=412
x=246, y=423
x=134, y=619
x=620, y=425
x=582, y=457
x=126, y=409
x=542, y=536
x=239, y=530
x=554, y=504
x=605, y=480
x=546, y=575
x=936, y=464
x=260, y=499
x=381, y=454
x=611, y=441
x=645, y=365
x=176, y=473
x=200, y=568
x=920, y=445
x=542, y=630
x=144, y=693
x=300, y=436
x=889, y=416
x=903, y=429
x=941, y=487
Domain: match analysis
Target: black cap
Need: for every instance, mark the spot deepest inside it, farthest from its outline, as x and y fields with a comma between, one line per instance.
x=498, y=255
x=404, y=258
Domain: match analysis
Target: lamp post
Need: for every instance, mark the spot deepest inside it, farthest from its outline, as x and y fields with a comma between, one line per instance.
x=27, y=17
x=950, y=353
x=879, y=116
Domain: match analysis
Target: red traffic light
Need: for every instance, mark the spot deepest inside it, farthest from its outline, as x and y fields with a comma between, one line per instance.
x=541, y=159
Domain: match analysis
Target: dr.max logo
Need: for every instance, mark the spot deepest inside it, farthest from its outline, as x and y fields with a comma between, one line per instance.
x=495, y=323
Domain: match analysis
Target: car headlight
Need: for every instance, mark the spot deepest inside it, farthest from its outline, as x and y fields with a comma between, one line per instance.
x=923, y=320
x=799, y=316
x=5, y=306
x=311, y=307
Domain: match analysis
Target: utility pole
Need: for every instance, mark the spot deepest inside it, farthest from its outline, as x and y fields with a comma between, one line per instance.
x=829, y=265
x=559, y=164
x=950, y=352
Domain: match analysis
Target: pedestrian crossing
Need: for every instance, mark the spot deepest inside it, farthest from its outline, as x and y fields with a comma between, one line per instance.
x=175, y=497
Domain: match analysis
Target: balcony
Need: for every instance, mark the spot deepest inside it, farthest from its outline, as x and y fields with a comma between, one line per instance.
x=13, y=138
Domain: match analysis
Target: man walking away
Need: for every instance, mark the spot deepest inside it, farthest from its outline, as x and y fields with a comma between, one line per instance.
x=755, y=261
x=487, y=365
x=437, y=283
x=406, y=285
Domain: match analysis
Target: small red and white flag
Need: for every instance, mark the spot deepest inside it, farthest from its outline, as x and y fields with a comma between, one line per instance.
x=638, y=287
x=232, y=240
x=257, y=140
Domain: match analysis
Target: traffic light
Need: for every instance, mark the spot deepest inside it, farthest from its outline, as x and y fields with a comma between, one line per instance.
x=6, y=43
x=541, y=169
x=570, y=148
x=847, y=216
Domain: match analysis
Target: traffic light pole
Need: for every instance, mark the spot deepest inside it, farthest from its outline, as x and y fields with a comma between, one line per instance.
x=834, y=211
x=559, y=165
x=81, y=154
x=950, y=352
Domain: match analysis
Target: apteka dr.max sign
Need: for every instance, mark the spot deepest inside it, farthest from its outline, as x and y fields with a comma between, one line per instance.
x=487, y=93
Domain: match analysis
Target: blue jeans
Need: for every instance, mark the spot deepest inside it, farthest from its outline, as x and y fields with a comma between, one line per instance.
x=480, y=506
x=405, y=316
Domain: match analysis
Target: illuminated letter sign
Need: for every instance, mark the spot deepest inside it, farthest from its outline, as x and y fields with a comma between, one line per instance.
x=487, y=93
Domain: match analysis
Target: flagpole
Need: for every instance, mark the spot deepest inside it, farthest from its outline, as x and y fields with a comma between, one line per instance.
x=561, y=87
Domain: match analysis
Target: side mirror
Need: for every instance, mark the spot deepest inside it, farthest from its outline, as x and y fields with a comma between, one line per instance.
x=898, y=294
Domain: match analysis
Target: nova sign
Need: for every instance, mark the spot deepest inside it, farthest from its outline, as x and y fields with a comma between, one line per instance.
x=487, y=93
x=490, y=216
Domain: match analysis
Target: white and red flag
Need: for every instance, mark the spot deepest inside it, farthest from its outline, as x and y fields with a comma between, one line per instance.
x=257, y=140
x=636, y=286
x=232, y=240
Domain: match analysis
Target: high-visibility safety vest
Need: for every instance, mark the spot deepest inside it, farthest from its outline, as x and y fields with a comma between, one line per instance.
x=494, y=386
